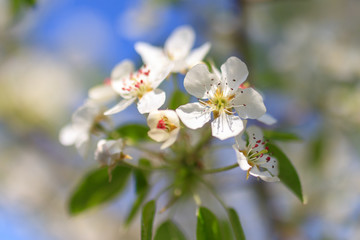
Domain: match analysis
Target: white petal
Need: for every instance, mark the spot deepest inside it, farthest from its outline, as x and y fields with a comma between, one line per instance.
x=114, y=147
x=248, y=103
x=271, y=164
x=197, y=55
x=153, y=118
x=241, y=159
x=180, y=66
x=84, y=116
x=199, y=81
x=267, y=119
x=193, y=115
x=264, y=175
x=226, y=126
x=122, y=69
x=68, y=135
x=234, y=72
x=172, y=138
x=240, y=142
x=150, y=55
x=151, y=101
x=102, y=93
x=120, y=106
x=158, y=135
x=172, y=117
x=180, y=42
x=216, y=71
x=83, y=144
x=256, y=138
x=159, y=73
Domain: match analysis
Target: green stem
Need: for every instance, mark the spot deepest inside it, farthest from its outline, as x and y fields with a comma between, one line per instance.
x=222, y=169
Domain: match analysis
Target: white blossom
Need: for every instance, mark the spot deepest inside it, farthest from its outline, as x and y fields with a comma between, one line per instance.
x=102, y=93
x=138, y=85
x=85, y=122
x=254, y=157
x=177, y=50
x=218, y=95
x=164, y=127
x=109, y=152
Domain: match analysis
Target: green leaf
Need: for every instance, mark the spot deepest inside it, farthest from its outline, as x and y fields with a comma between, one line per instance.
x=145, y=162
x=96, y=189
x=287, y=172
x=169, y=231
x=226, y=232
x=280, y=136
x=178, y=98
x=236, y=225
x=208, y=227
x=147, y=220
x=141, y=188
x=131, y=132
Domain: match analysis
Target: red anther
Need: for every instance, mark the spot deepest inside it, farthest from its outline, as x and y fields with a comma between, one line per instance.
x=263, y=143
x=267, y=148
x=256, y=145
x=147, y=72
x=161, y=124
x=258, y=141
x=141, y=81
x=140, y=71
x=137, y=85
x=242, y=86
x=107, y=81
x=261, y=155
x=268, y=159
x=123, y=89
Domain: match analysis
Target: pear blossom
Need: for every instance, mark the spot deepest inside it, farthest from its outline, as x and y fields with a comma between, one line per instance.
x=109, y=152
x=85, y=122
x=138, y=85
x=164, y=126
x=254, y=157
x=218, y=95
x=177, y=50
x=102, y=93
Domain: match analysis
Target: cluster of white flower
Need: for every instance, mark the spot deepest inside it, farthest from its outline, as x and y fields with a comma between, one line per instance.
x=222, y=97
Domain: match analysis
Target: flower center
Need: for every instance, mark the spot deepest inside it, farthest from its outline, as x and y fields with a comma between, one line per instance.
x=137, y=84
x=221, y=103
x=165, y=124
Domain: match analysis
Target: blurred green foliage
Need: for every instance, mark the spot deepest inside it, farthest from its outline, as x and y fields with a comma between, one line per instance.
x=169, y=230
x=95, y=188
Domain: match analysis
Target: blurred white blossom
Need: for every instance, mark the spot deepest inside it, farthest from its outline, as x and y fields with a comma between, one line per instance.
x=138, y=85
x=177, y=50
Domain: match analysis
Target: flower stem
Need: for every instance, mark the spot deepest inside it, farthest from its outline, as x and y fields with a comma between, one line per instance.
x=222, y=169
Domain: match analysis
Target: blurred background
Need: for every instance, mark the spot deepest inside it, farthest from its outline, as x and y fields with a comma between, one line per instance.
x=303, y=55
